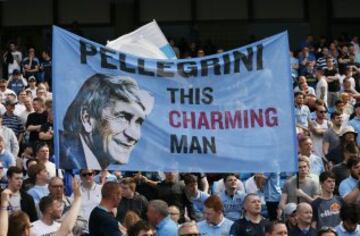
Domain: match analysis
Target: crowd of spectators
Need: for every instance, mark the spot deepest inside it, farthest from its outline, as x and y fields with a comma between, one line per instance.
x=322, y=198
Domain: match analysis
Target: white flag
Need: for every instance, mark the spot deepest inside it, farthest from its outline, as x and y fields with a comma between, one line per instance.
x=147, y=41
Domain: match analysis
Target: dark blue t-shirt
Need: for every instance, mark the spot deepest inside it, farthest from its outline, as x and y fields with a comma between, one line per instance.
x=103, y=223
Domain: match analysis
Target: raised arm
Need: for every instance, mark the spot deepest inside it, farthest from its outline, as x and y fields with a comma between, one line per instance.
x=70, y=219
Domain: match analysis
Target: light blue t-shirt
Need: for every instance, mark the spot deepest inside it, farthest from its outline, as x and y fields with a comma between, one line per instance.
x=7, y=159
x=223, y=228
x=316, y=165
x=355, y=123
x=302, y=115
x=347, y=185
x=166, y=227
x=342, y=232
x=38, y=192
x=198, y=205
x=272, y=189
x=232, y=204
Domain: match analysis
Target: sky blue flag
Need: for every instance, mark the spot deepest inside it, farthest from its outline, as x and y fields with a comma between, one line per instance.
x=229, y=112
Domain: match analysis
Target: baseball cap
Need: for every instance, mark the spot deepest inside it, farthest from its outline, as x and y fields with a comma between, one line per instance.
x=16, y=72
x=290, y=208
x=32, y=78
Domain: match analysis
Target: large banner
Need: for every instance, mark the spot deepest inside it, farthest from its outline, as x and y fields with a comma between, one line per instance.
x=230, y=112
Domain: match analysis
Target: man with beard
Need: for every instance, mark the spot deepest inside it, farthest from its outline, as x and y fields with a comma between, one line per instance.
x=349, y=188
x=51, y=211
x=350, y=216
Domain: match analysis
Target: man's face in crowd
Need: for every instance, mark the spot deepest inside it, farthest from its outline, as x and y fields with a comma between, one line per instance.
x=349, y=226
x=43, y=154
x=152, y=215
x=28, y=103
x=355, y=170
x=174, y=214
x=170, y=176
x=119, y=129
x=306, y=146
x=299, y=99
x=190, y=230
x=304, y=214
x=340, y=106
x=146, y=233
x=116, y=197
x=253, y=205
x=321, y=112
x=22, y=96
x=211, y=216
x=231, y=182
x=41, y=93
x=337, y=121
x=279, y=230
x=349, y=137
x=12, y=47
x=56, y=188
x=37, y=106
x=2, y=86
x=16, y=181
x=43, y=175
x=192, y=189
x=87, y=176
x=303, y=168
x=56, y=210
x=328, y=185
x=127, y=192
x=31, y=52
x=10, y=108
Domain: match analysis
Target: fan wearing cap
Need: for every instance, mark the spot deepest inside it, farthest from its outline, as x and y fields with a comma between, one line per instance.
x=347, y=136
x=289, y=215
x=16, y=82
x=32, y=86
x=4, y=91
x=103, y=123
x=13, y=121
x=355, y=122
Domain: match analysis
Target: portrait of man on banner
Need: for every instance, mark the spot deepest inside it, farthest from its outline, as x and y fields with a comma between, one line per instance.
x=103, y=123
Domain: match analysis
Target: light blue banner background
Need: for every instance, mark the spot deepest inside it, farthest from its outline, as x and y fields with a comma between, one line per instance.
x=265, y=149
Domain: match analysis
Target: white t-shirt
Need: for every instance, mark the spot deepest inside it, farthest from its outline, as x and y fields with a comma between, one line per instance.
x=318, y=139
x=322, y=83
x=15, y=202
x=41, y=229
x=51, y=168
x=90, y=198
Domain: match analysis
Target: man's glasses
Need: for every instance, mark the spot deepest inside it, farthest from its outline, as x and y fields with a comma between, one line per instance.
x=86, y=174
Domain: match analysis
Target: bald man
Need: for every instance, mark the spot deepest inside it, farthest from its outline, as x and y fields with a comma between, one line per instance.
x=304, y=216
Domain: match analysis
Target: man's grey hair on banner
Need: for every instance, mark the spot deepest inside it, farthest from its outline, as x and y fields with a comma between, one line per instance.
x=160, y=206
x=97, y=92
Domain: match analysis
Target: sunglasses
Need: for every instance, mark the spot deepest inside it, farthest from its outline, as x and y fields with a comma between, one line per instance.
x=322, y=111
x=86, y=174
